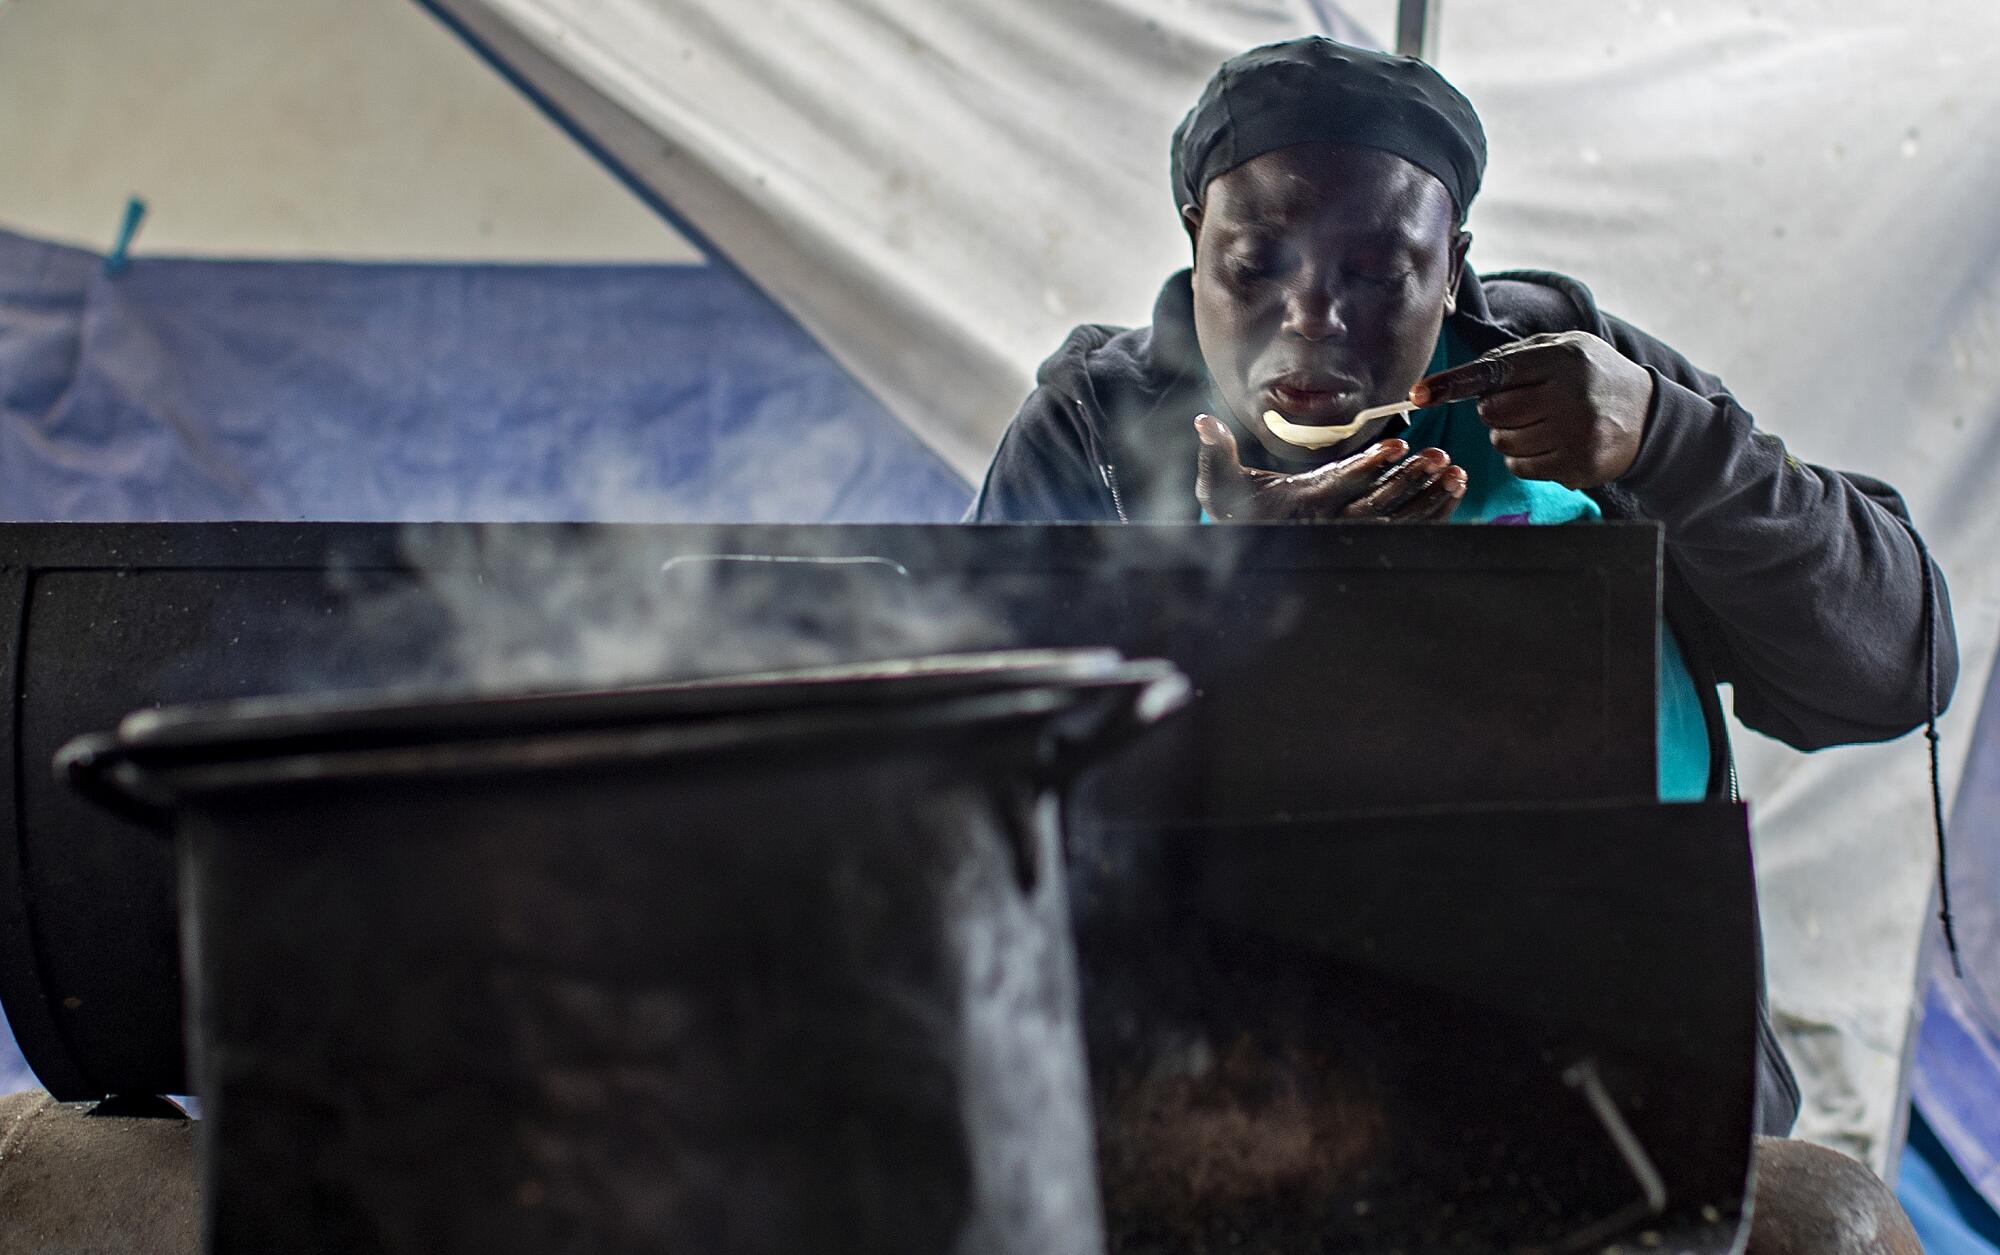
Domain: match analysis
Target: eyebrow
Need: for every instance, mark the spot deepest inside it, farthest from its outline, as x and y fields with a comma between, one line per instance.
x=1395, y=233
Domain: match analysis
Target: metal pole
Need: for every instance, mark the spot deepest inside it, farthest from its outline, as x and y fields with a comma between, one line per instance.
x=1416, y=27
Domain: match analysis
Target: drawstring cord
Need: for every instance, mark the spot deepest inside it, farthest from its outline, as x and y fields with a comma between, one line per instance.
x=1931, y=735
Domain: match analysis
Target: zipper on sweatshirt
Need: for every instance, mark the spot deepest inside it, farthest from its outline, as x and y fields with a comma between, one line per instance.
x=1110, y=478
x=1096, y=453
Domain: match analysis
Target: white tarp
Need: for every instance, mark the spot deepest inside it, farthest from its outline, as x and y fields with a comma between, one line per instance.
x=1797, y=195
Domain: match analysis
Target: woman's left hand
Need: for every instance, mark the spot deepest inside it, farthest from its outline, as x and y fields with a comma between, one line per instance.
x=1566, y=407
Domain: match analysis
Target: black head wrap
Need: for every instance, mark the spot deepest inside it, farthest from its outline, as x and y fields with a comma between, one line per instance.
x=1311, y=89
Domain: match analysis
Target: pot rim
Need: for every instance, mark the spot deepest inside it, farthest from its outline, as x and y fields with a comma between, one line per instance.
x=1088, y=700
x=261, y=726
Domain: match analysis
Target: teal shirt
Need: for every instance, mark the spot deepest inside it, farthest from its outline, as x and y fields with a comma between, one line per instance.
x=1493, y=494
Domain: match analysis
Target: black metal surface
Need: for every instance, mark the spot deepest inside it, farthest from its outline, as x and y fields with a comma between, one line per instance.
x=28, y=1000
x=1353, y=645
x=740, y=977
x=1397, y=1032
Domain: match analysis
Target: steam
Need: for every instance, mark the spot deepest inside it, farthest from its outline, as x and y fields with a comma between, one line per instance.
x=525, y=604
x=538, y=608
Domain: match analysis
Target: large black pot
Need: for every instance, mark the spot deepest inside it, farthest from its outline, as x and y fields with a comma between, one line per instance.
x=774, y=965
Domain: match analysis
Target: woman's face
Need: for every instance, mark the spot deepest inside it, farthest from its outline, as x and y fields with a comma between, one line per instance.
x=1322, y=273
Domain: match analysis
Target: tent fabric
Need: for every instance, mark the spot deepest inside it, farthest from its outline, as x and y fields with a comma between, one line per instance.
x=1950, y=1217
x=1955, y=1083
x=15, y=1074
x=201, y=389
x=1794, y=194
x=922, y=185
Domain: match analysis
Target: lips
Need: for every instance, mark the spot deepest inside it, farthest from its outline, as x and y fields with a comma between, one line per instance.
x=1312, y=398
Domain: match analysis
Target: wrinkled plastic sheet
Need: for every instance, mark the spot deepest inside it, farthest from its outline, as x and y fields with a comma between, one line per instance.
x=211, y=390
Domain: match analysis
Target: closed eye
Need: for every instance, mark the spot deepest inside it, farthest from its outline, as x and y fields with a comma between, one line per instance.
x=1378, y=279
x=1251, y=262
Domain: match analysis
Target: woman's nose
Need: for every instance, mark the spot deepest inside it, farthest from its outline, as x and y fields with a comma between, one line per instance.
x=1312, y=312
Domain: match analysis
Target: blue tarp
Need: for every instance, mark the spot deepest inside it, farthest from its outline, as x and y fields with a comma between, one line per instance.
x=193, y=389
x=14, y=1073
x=1949, y=1215
x=1955, y=1082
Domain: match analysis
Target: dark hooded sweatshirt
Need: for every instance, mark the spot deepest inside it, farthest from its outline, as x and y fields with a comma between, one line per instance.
x=1801, y=587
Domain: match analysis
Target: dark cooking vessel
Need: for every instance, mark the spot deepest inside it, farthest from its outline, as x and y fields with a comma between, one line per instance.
x=778, y=964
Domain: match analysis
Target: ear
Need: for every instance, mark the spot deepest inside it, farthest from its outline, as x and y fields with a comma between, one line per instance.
x=1191, y=219
x=1460, y=242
